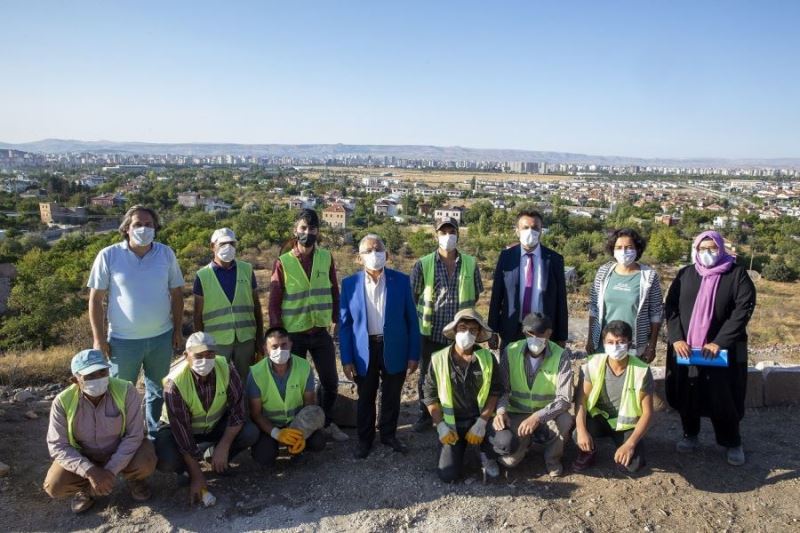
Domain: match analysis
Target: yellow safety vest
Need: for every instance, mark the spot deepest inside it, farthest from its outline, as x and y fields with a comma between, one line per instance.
x=441, y=369
x=228, y=321
x=524, y=399
x=202, y=421
x=630, y=409
x=69, y=402
x=307, y=303
x=466, y=289
x=281, y=410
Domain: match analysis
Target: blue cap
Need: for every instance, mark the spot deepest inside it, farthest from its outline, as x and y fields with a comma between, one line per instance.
x=88, y=361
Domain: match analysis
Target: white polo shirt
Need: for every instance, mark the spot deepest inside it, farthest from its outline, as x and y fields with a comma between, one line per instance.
x=138, y=289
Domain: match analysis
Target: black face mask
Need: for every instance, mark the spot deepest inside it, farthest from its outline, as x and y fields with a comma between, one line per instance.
x=306, y=239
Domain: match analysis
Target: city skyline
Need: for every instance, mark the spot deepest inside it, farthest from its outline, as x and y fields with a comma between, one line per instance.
x=677, y=81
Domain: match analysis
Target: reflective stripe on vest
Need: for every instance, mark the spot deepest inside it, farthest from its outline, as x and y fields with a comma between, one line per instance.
x=466, y=289
x=630, y=408
x=69, y=402
x=524, y=399
x=281, y=410
x=202, y=421
x=444, y=388
x=306, y=303
x=228, y=321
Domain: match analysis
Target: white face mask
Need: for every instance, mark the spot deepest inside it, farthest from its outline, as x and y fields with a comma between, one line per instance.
x=708, y=259
x=616, y=351
x=95, y=387
x=374, y=260
x=226, y=252
x=447, y=242
x=202, y=366
x=529, y=238
x=536, y=344
x=142, y=236
x=465, y=339
x=625, y=257
x=279, y=356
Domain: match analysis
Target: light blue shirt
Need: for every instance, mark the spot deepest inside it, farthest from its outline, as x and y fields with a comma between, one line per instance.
x=138, y=289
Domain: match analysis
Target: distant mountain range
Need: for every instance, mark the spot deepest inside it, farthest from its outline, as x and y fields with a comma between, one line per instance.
x=441, y=153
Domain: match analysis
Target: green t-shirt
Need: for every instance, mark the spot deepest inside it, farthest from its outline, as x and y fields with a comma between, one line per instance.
x=621, y=299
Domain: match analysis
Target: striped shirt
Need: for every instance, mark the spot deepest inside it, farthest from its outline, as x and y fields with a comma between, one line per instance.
x=650, y=305
x=180, y=418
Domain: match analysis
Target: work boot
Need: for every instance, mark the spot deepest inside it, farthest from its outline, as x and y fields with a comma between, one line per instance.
x=510, y=461
x=335, y=433
x=687, y=444
x=735, y=455
x=489, y=466
x=583, y=461
x=81, y=502
x=554, y=468
x=140, y=490
x=362, y=450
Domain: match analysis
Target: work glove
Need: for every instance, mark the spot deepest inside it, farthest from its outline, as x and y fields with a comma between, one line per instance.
x=289, y=437
x=477, y=432
x=447, y=435
x=298, y=446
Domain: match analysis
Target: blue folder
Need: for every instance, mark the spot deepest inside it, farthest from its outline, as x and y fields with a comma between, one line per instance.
x=697, y=359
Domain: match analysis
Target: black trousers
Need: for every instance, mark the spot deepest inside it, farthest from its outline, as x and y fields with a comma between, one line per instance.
x=265, y=450
x=429, y=347
x=726, y=430
x=323, y=353
x=598, y=427
x=451, y=456
x=391, y=386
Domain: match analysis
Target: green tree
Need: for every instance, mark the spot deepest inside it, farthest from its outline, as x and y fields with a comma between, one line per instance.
x=420, y=243
x=666, y=246
x=778, y=270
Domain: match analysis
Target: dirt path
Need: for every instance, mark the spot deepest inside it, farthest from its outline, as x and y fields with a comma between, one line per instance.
x=331, y=491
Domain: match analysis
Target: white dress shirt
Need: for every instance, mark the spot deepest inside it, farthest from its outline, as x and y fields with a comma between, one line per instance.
x=536, y=303
x=375, y=292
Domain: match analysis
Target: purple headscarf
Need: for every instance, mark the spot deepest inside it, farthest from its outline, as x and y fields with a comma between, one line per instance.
x=703, y=309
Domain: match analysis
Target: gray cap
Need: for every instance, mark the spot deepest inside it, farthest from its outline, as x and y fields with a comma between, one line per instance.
x=444, y=221
x=536, y=323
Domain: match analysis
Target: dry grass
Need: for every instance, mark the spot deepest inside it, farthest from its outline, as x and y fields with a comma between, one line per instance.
x=36, y=367
x=776, y=319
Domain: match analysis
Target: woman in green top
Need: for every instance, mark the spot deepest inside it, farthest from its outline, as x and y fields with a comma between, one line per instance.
x=627, y=290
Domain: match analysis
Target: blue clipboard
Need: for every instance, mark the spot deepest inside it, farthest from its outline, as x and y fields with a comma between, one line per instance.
x=697, y=359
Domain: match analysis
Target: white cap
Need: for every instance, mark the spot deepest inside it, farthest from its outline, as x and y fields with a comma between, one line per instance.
x=223, y=234
x=200, y=341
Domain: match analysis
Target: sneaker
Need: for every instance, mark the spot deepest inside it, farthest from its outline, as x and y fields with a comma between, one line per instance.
x=140, y=490
x=687, y=444
x=554, y=469
x=736, y=456
x=583, y=461
x=489, y=466
x=81, y=502
x=335, y=433
x=423, y=423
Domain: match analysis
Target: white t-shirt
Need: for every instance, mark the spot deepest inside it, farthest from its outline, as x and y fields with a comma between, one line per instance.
x=375, y=292
x=138, y=289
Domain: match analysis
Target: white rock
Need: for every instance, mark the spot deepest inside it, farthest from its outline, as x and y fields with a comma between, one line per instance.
x=31, y=415
x=23, y=396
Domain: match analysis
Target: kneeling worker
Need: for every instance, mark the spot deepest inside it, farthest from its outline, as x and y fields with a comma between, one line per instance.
x=97, y=432
x=283, y=403
x=461, y=391
x=204, y=405
x=618, y=395
x=539, y=389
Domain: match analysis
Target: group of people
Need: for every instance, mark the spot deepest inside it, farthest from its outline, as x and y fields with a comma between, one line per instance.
x=504, y=385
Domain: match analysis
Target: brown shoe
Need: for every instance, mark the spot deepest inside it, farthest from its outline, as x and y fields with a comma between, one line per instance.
x=140, y=490
x=81, y=502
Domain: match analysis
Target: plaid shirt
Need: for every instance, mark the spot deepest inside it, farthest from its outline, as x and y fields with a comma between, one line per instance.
x=180, y=417
x=445, y=293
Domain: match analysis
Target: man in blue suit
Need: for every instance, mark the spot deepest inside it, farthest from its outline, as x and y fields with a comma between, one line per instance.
x=378, y=342
x=528, y=278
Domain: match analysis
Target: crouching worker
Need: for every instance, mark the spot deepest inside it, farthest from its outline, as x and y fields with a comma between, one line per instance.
x=461, y=391
x=538, y=377
x=283, y=403
x=96, y=433
x=204, y=415
x=617, y=393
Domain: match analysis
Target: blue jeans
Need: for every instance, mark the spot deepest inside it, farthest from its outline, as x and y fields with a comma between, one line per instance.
x=155, y=355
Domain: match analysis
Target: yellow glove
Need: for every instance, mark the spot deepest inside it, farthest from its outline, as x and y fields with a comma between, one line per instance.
x=477, y=432
x=298, y=446
x=287, y=436
x=446, y=434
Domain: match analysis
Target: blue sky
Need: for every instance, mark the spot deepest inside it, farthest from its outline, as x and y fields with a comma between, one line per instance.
x=645, y=78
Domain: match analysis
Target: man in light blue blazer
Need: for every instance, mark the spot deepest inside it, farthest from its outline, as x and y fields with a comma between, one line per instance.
x=378, y=342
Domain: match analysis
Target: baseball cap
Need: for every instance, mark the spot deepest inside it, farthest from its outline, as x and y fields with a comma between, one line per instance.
x=223, y=235
x=200, y=341
x=444, y=221
x=88, y=361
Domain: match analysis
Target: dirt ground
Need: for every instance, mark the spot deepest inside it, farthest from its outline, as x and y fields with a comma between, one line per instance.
x=331, y=491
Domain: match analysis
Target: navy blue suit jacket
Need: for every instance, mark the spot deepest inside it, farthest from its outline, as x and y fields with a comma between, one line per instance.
x=504, y=308
x=401, y=340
